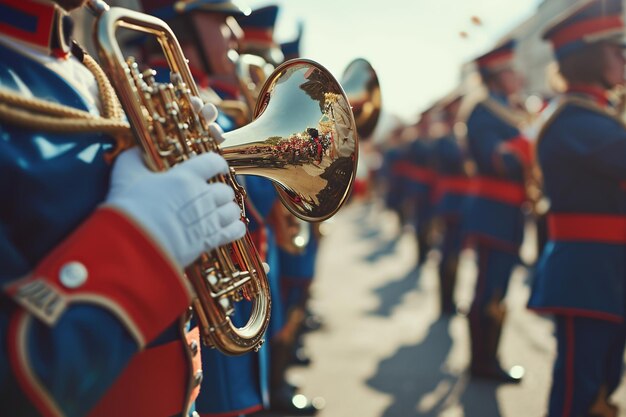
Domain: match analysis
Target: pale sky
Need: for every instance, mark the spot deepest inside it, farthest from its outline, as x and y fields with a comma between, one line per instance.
x=414, y=45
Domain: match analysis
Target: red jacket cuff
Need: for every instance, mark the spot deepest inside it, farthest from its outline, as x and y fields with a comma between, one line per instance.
x=108, y=261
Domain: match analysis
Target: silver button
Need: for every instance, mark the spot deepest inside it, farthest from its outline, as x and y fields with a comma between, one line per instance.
x=194, y=347
x=197, y=378
x=73, y=275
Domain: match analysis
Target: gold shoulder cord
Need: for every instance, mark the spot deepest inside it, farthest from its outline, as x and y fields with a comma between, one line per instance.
x=37, y=114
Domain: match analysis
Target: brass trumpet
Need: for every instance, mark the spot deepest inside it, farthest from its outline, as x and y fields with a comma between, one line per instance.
x=299, y=101
x=363, y=90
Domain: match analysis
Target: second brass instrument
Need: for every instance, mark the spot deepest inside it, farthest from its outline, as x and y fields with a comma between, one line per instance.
x=301, y=106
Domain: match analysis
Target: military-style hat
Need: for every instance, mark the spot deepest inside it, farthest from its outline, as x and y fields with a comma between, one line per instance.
x=258, y=34
x=498, y=58
x=167, y=9
x=589, y=22
x=291, y=49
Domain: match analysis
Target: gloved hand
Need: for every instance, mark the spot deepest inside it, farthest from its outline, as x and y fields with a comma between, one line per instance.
x=184, y=214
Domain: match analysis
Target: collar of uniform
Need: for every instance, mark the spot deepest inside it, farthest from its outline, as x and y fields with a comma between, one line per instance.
x=41, y=24
x=599, y=95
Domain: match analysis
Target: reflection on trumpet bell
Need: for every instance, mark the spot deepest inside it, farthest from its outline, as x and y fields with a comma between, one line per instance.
x=304, y=140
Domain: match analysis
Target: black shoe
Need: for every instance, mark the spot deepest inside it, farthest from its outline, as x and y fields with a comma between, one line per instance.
x=496, y=374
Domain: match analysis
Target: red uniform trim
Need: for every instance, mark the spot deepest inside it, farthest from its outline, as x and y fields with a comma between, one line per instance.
x=258, y=35
x=495, y=59
x=578, y=31
x=498, y=190
x=153, y=384
x=578, y=312
x=44, y=14
x=587, y=228
x=451, y=185
x=127, y=274
x=415, y=173
x=20, y=364
x=597, y=93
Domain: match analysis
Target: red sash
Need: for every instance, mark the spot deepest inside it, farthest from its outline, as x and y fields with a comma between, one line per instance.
x=498, y=190
x=414, y=172
x=601, y=228
x=451, y=185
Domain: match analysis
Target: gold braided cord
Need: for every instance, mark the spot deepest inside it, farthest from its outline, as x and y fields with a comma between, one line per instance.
x=111, y=106
x=37, y=114
x=35, y=105
x=52, y=123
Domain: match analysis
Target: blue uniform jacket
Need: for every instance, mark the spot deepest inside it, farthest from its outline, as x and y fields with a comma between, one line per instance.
x=452, y=184
x=581, y=153
x=420, y=175
x=63, y=348
x=493, y=210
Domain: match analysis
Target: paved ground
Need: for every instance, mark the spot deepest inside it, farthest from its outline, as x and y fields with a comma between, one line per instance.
x=384, y=351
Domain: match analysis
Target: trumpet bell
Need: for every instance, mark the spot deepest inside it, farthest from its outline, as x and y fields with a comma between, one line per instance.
x=363, y=90
x=303, y=138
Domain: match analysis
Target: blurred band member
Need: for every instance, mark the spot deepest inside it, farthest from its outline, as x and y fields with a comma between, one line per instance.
x=494, y=222
x=581, y=276
x=451, y=187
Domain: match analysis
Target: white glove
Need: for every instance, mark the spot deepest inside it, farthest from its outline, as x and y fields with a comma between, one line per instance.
x=184, y=214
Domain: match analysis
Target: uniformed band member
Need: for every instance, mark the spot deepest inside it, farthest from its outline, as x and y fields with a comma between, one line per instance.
x=494, y=222
x=416, y=170
x=91, y=254
x=390, y=175
x=451, y=187
x=581, y=275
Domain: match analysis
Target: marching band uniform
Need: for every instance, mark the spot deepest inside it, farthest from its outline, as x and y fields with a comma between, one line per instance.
x=494, y=222
x=418, y=174
x=392, y=175
x=79, y=333
x=451, y=187
x=581, y=276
